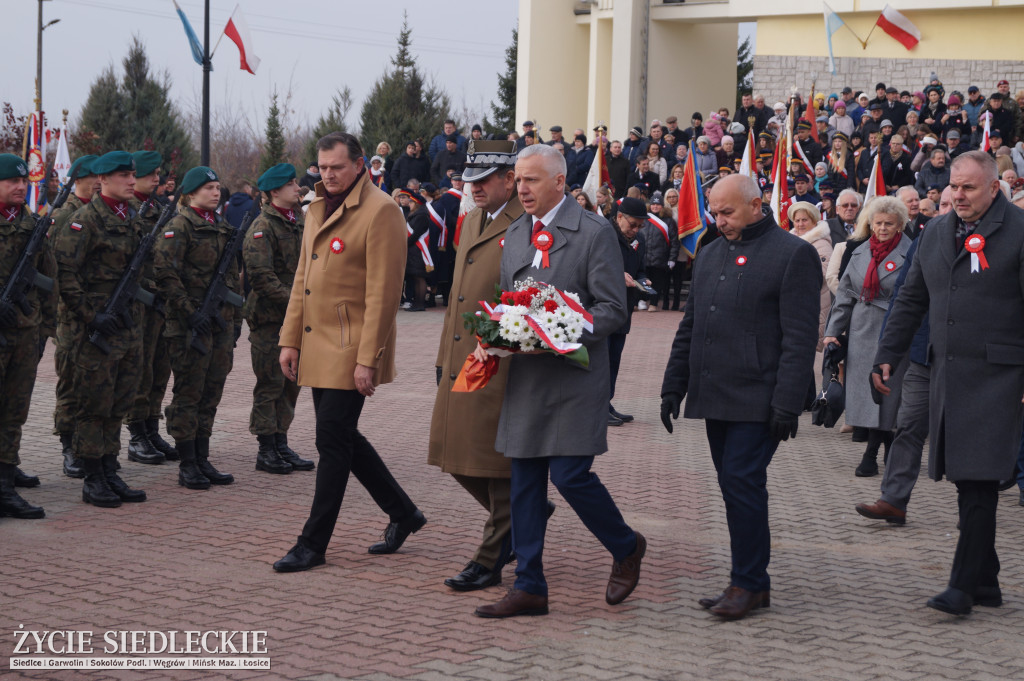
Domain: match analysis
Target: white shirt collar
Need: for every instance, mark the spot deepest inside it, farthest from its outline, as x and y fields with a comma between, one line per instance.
x=550, y=215
x=494, y=216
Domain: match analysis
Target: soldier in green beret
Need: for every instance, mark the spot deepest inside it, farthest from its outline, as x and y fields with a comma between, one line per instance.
x=186, y=257
x=271, y=254
x=19, y=353
x=145, y=444
x=87, y=183
x=92, y=254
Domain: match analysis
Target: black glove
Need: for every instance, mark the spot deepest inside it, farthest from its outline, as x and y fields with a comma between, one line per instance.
x=782, y=424
x=199, y=323
x=876, y=396
x=8, y=316
x=438, y=375
x=106, y=324
x=670, y=408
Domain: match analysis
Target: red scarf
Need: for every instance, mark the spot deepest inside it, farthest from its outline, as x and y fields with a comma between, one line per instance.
x=286, y=213
x=9, y=212
x=207, y=215
x=880, y=250
x=120, y=208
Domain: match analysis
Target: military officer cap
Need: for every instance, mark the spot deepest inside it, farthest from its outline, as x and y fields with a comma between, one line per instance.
x=112, y=162
x=276, y=177
x=803, y=125
x=146, y=162
x=841, y=136
x=12, y=166
x=196, y=178
x=486, y=157
x=457, y=177
x=82, y=167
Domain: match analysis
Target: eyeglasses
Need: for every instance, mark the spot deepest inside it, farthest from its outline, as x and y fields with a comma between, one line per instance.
x=847, y=205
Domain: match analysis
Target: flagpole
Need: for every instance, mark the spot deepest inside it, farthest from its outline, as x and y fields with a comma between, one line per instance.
x=864, y=43
x=204, y=150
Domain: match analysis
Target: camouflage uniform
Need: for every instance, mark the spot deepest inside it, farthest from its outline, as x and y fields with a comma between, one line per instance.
x=92, y=254
x=271, y=254
x=186, y=257
x=20, y=357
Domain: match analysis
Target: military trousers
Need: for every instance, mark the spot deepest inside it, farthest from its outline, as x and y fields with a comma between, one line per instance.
x=104, y=389
x=494, y=494
x=154, y=372
x=198, y=383
x=273, y=397
x=69, y=337
x=18, y=362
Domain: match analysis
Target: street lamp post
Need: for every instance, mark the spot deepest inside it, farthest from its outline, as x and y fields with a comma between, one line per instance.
x=39, y=55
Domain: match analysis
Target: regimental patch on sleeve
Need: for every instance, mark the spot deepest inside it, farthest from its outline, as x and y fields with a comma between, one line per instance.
x=75, y=226
x=168, y=235
x=257, y=235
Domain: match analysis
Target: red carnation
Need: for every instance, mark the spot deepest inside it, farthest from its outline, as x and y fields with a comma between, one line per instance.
x=508, y=298
x=550, y=305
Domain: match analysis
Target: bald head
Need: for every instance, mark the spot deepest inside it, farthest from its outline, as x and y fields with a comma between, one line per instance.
x=735, y=203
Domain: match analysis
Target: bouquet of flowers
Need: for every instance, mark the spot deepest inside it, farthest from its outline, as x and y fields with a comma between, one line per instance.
x=534, y=317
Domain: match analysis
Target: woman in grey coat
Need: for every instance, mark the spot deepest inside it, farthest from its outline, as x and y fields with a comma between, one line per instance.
x=862, y=298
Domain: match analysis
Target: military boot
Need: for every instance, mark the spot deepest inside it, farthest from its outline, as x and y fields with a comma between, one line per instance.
x=286, y=452
x=140, y=449
x=206, y=468
x=11, y=503
x=72, y=464
x=23, y=479
x=117, y=485
x=188, y=473
x=268, y=459
x=159, y=444
x=96, y=490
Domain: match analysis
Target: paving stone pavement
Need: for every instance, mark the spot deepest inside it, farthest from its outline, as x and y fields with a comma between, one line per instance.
x=848, y=594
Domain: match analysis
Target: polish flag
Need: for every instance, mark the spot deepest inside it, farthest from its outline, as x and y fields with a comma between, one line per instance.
x=986, y=145
x=876, y=183
x=899, y=27
x=238, y=31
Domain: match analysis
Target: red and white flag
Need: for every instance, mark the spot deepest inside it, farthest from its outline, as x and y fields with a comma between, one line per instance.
x=986, y=145
x=876, y=183
x=748, y=165
x=899, y=27
x=238, y=31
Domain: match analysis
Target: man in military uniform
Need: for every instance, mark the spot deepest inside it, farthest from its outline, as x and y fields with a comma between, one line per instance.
x=69, y=334
x=185, y=261
x=19, y=347
x=92, y=254
x=271, y=253
x=143, y=419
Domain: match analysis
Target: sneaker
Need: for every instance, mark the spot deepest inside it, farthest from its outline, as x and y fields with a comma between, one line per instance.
x=406, y=305
x=642, y=305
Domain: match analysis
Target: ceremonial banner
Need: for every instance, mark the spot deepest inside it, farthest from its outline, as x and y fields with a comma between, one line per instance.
x=691, y=207
x=876, y=183
x=748, y=166
x=62, y=161
x=598, y=174
x=35, y=158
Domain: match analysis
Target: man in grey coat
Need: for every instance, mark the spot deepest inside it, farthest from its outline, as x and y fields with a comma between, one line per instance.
x=744, y=353
x=968, y=275
x=555, y=414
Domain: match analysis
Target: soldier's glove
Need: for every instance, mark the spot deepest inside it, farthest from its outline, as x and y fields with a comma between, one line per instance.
x=8, y=315
x=438, y=375
x=106, y=324
x=782, y=424
x=670, y=408
x=199, y=323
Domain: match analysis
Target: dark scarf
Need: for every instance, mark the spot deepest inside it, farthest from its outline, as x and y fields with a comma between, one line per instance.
x=880, y=250
x=332, y=202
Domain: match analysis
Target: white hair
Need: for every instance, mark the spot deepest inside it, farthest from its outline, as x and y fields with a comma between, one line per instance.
x=850, y=192
x=554, y=162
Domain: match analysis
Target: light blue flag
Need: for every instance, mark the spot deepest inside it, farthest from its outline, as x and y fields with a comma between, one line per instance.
x=833, y=22
x=193, y=39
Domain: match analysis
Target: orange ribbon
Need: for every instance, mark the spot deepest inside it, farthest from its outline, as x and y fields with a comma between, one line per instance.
x=474, y=374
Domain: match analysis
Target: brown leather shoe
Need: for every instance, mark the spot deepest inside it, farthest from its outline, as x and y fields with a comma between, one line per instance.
x=515, y=603
x=882, y=510
x=738, y=602
x=625, y=574
x=708, y=603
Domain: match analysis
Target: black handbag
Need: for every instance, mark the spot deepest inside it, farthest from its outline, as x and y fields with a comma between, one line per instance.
x=828, y=406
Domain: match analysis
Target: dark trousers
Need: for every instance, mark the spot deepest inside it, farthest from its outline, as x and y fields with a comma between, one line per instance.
x=741, y=452
x=679, y=274
x=616, y=343
x=343, y=449
x=581, y=488
x=493, y=495
x=1020, y=464
x=975, y=562
x=659, y=282
x=904, y=463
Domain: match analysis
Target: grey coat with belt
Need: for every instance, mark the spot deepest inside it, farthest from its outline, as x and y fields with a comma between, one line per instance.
x=976, y=322
x=863, y=321
x=554, y=407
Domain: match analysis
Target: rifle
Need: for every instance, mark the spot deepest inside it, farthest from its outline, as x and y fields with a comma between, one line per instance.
x=25, y=275
x=128, y=289
x=218, y=293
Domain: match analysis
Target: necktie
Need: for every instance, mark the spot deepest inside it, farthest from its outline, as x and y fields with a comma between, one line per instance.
x=537, y=226
x=487, y=221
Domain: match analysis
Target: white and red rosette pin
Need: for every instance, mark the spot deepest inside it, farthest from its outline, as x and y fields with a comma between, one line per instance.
x=337, y=245
x=890, y=266
x=741, y=260
x=975, y=244
x=542, y=241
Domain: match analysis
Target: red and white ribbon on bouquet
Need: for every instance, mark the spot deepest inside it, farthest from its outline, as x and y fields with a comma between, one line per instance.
x=974, y=245
x=588, y=319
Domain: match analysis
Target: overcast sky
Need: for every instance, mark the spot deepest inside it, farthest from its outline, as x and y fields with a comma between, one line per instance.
x=310, y=46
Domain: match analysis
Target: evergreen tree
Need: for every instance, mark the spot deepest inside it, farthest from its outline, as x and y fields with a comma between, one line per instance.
x=402, y=106
x=504, y=110
x=744, y=70
x=136, y=113
x=273, y=148
x=332, y=121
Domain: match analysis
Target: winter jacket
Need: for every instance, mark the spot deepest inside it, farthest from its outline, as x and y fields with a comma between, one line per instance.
x=238, y=205
x=408, y=167
x=714, y=132
x=659, y=251
x=843, y=124
x=929, y=175
x=707, y=164
x=577, y=163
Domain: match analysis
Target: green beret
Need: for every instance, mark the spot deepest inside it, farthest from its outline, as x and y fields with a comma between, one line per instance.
x=146, y=162
x=112, y=162
x=276, y=177
x=82, y=167
x=12, y=166
x=196, y=178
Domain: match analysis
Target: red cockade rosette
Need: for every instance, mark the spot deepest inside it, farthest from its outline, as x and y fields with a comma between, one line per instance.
x=533, y=318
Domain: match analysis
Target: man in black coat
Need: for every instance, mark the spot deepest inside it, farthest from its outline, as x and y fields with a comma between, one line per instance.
x=628, y=220
x=896, y=171
x=744, y=353
x=842, y=226
x=618, y=169
x=968, y=275
x=811, y=149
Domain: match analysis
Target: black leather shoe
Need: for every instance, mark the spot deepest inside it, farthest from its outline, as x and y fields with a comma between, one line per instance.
x=473, y=578
x=268, y=459
x=22, y=479
x=396, y=533
x=988, y=596
x=952, y=601
x=159, y=444
x=299, y=559
x=614, y=420
x=289, y=455
x=625, y=418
